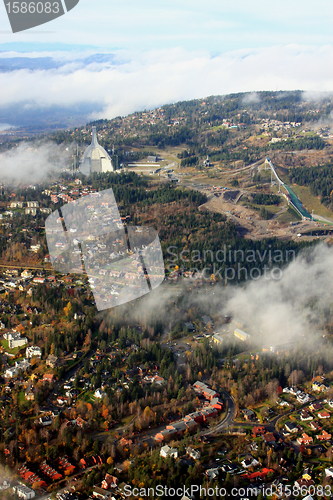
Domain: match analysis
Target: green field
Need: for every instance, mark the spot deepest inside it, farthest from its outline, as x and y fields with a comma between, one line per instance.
x=4, y=344
x=289, y=216
x=311, y=202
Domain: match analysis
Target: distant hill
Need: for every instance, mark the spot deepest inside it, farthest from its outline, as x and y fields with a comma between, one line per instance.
x=238, y=127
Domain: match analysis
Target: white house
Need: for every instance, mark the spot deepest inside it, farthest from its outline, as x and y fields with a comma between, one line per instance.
x=212, y=473
x=24, y=492
x=11, y=372
x=17, y=368
x=99, y=394
x=33, y=352
x=250, y=462
x=32, y=204
x=4, y=485
x=167, y=452
x=329, y=472
x=15, y=340
x=16, y=204
x=26, y=274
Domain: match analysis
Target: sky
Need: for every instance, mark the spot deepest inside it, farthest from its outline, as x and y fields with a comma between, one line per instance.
x=167, y=51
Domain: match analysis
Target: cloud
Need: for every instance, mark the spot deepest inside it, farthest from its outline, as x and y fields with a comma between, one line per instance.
x=145, y=80
x=30, y=163
x=295, y=308
x=6, y=126
x=252, y=98
x=291, y=308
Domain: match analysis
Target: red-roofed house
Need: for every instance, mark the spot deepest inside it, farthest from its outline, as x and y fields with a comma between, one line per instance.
x=109, y=482
x=305, y=439
x=258, y=430
x=254, y=475
x=324, y=414
x=324, y=436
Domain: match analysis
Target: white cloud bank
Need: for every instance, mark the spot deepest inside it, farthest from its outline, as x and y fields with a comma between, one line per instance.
x=30, y=163
x=153, y=78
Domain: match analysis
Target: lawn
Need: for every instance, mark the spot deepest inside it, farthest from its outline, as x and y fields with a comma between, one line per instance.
x=21, y=398
x=4, y=344
x=87, y=397
x=289, y=216
x=311, y=202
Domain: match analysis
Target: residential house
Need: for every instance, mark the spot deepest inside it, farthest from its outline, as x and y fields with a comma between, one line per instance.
x=29, y=393
x=99, y=394
x=315, y=406
x=269, y=437
x=32, y=204
x=26, y=274
x=157, y=380
x=39, y=280
x=16, y=204
x=48, y=377
x=302, y=397
x=195, y=454
x=315, y=426
x=305, y=416
x=305, y=439
x=62, y=401
x=216, y=403
x=15, y=340
x=318, y=386
x=324, y=436
x=249, y=462
x=33, y=352
x=30, y=211
x=324, y=414
x=291, y=427
x=52, y=361
x=205, y=390
x=101, y=494
x=165, y=435
x=249, y=414
x=258, y=430
x=212, y=473
x=11, y=372
x=20, y=366
x=24, y=492
x=167, y=452
x=329, y=472
x=304, y=483
x=178, y=426
x=45, y=421
x=109, y=482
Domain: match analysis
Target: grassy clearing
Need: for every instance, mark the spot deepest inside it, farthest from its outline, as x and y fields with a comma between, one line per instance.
x=288, y=216
x=311, y=202
x=4, y=344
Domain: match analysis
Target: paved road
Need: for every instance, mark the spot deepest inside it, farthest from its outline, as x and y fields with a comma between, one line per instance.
x=228, y=419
